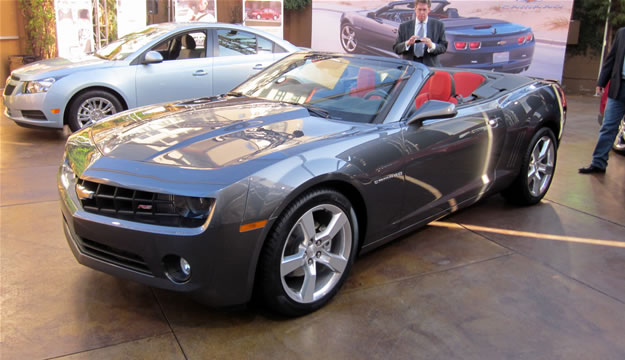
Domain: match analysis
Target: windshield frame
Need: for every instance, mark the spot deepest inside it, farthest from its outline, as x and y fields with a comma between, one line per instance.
x=338, y=93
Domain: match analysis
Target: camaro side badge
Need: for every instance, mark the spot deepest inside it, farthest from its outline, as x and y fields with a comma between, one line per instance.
x=83, y=193
x=388, y=177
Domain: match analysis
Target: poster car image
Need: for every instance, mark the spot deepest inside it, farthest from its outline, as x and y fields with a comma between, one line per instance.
x=474, y=43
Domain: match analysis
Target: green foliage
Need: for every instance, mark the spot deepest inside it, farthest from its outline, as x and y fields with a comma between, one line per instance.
x=296, y=4
x=111, y=7
x=592, y=16
x=40, y=27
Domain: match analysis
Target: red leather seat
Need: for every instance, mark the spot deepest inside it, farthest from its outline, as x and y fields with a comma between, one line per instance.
x=364, y=83
x=440, y=86
x=467, y=82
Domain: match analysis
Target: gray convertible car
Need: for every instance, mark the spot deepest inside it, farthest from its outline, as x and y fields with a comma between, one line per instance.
x=163, y=62
x=274, y=188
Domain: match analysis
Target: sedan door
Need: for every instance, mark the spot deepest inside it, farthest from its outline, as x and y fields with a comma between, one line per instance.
x=185, y=73
x=450, y=161
x=239, y=55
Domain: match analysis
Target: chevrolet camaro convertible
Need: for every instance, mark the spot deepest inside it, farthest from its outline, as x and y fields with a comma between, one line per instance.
x=274, y=188
x=474, y=43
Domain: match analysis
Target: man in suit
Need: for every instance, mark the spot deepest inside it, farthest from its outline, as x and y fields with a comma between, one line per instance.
x=614, y=72
x=422, y=39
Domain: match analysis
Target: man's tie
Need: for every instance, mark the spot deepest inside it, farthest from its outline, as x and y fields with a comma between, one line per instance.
x=419, y=47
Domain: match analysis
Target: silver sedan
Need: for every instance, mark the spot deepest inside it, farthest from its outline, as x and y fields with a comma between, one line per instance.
x=164, y=62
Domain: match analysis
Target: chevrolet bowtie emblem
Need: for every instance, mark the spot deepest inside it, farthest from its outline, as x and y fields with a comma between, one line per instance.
x=83, y=193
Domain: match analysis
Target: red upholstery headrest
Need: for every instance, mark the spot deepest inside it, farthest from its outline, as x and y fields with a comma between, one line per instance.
x=365, y=82
x=440, y=86
x=467, y=82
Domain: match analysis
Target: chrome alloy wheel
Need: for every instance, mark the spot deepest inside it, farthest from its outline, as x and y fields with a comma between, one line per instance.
x=541, y=166
x=619, y=142
x=316, y=253
x=348, y=38
x=94, y=109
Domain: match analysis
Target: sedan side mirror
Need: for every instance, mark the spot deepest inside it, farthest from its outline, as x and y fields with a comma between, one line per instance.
x=433, y=109
x=153, y=57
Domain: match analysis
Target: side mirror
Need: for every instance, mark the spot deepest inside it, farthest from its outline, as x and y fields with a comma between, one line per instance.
x=433, y=109
x=153, y=57
x=371, y=15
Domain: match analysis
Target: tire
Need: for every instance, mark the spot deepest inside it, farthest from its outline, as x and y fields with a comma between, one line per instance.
x=299, y=272
x=537, y=169
x=91, y=106
x=348, y=39
x=275, y=18
x=257, y=17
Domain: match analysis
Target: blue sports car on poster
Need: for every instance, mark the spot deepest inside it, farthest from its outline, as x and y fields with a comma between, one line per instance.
x=474, y=43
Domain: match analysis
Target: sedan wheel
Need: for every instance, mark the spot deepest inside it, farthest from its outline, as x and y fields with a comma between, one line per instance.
x=92, y=106
x=348, y=38
x=537, y=170
x=309, y=253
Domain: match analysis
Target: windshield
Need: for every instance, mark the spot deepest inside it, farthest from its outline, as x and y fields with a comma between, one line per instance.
x=128, y=44
x=332, y=86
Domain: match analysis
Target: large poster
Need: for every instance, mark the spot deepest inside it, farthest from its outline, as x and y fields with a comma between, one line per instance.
x=195, y=10
x=131, y=16
x=74, y=27
x=264, y=15
x=517, y=36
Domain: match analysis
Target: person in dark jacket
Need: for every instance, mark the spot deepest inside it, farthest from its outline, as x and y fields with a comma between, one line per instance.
x=614, y=72
x=423, y=38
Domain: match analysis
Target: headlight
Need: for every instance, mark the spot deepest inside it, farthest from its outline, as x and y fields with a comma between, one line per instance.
x=39, y=86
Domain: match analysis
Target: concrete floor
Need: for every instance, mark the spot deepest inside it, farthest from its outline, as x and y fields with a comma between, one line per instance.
x=490, y=282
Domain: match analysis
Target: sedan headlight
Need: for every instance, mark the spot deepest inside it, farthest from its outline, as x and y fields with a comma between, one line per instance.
x=38, y=86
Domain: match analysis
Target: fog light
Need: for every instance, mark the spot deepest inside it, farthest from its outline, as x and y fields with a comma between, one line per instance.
x=177, y=268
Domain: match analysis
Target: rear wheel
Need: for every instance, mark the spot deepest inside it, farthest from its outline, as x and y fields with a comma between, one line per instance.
x=348, y=38
x=537, y=170
x=92, y=106
x=308, y=253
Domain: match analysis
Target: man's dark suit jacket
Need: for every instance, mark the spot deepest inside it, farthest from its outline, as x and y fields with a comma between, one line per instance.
x=435, y=31
x=612, y=69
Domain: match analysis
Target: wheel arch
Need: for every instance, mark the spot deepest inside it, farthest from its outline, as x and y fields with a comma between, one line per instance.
x=113, y=92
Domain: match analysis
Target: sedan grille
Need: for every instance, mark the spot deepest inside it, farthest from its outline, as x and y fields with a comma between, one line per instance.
x=8, y=90
x=143, y=206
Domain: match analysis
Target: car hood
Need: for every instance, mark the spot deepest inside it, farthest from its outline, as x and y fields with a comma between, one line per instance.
x=482, y=27
x=59, y=67
x=211, y=133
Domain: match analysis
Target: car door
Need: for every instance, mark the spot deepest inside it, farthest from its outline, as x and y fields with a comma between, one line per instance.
x=450, y=161
x=238, y=55
x=383, y=31
x=186, y=71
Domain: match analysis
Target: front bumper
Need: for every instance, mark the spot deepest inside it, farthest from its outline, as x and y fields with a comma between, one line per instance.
x=222, y=259
x=29, y=110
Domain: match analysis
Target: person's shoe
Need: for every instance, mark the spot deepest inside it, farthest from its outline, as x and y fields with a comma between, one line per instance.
x=590, y=169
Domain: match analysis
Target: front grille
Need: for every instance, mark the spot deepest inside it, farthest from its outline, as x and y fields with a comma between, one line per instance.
x=140, y=206
x=8, y=90
x=34, y=115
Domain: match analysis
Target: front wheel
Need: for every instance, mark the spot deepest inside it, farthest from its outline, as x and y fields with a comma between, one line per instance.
x=349, y=40
x=308, y=253
x=92, y=106
x=537, y=169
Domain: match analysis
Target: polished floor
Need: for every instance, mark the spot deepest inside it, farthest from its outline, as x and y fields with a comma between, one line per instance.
x=491, y=282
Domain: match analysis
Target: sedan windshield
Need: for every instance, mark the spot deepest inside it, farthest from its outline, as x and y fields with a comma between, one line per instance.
x=128, y=44
x=331, y=86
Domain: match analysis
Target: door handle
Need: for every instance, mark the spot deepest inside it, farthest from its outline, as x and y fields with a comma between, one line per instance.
x=258, y=67
x=395, y=31
x=200, y=73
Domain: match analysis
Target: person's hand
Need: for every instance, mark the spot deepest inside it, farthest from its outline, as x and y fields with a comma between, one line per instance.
x=428, y=42
x=411, y=41
x=599, y=90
